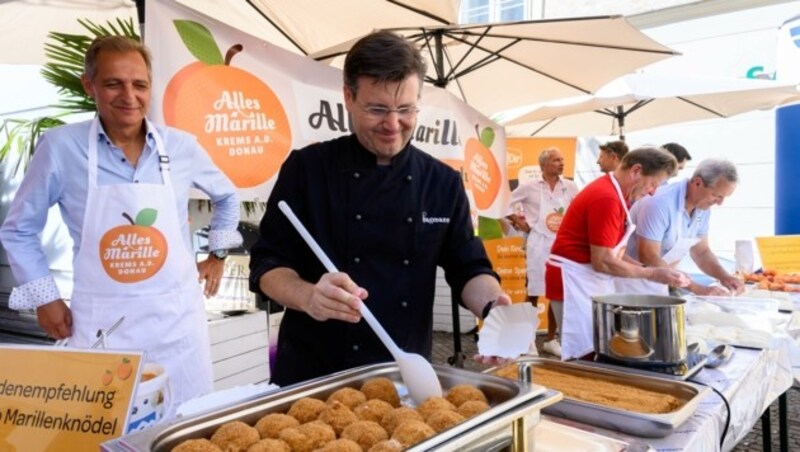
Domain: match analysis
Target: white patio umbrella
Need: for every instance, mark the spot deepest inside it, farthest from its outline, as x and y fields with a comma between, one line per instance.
x=646, y=100
x=494, y=67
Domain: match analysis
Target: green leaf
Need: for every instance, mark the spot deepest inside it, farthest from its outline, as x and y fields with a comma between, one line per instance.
x=199, y=41
x=487, y=137
x=489, y=228
x=146, y=217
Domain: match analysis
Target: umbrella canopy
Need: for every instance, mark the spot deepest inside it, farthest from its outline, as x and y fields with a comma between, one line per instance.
x=494, y=67
x=644, y=100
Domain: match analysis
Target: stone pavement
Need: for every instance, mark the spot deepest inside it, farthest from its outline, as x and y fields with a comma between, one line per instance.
x=443, y=352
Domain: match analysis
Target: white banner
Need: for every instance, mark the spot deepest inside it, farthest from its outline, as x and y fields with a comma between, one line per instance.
x=250, y=103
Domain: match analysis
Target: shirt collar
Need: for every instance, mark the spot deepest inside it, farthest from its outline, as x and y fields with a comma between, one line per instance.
x=149, y=127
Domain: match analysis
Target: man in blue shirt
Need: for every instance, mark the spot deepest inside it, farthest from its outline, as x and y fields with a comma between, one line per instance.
x=674, y=222
x=122, y=186
x=385, y=212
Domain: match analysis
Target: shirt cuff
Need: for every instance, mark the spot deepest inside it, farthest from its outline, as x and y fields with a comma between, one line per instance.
x=224, y=240
x=34, y=293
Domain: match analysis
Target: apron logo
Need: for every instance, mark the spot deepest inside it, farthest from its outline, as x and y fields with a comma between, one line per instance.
x=135, y=252
x=553, y=219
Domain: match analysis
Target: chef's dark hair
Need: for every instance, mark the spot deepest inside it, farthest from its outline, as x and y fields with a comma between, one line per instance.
x=113, y=43
x=652, y=160
x=384, y=56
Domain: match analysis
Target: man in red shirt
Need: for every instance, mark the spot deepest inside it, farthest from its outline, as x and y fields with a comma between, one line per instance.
x=589, y=247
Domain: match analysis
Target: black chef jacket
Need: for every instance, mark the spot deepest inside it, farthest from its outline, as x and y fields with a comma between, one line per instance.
x=388, y=227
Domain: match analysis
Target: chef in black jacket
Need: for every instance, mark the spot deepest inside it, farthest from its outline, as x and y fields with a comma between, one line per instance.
x=385, y=212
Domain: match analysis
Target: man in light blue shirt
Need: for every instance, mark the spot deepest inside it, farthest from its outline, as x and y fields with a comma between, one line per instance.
x=674, y=222
x=122, y=185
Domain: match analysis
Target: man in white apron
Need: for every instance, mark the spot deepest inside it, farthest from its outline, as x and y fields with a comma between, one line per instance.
x=674, y=222
x=122, y=185
x=544, y=201
x=589, y=246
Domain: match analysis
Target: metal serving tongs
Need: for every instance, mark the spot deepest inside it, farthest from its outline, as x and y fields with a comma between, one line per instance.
x=101, y=334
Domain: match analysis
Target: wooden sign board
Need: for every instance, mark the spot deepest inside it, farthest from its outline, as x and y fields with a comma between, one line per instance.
x=58, y=399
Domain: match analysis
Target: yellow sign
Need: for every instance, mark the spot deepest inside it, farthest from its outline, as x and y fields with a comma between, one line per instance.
x=64, y=400
x=523, y=155
x=780, y=253
x=508, y=260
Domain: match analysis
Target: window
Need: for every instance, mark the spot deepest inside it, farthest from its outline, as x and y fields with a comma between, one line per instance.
x=483, y=11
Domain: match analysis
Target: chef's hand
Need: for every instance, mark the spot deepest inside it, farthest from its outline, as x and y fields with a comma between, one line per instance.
x=669, y=276
x=503, y=300
x=55, y=318
x=210, y=271
x=336, y=296
x=733, y=284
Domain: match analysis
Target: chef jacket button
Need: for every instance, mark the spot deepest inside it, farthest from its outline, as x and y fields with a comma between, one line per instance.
x=356, y=260
x=355, y=348
x=358, y=216
x=406, y=262
x=404, y=304
x=356, y=175
x=408, y=178
x=409, y=220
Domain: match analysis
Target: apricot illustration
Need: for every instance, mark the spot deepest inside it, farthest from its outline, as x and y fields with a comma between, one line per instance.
x=235, y=115
x=125, y=369
x=553, y=220
x=107, y=378
x=483, y=172
x=135, y=252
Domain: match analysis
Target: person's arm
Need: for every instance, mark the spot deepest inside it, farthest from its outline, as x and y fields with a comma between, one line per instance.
x=605, y=261
x=650, y=252
x=335, y=296
x=708, y=263
x=480, y=290
x=20, y=235
x=223, y=233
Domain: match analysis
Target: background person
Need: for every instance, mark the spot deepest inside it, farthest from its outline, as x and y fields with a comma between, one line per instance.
x=589, y=246
x=681, y=155
x=544, y=201
x=674, y=222
x=386, y=213
x=611, y=154
x=103, y=174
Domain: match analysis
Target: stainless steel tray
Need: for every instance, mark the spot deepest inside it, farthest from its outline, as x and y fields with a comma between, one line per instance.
x=508, y=399
x=638, y=424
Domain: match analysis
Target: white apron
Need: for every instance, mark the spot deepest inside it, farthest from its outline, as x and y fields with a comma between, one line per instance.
x=542, y=236
x=641, y=286
x=581, y=282
x=144, y=273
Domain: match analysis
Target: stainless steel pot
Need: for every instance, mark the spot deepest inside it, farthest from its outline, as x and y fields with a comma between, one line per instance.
x=640, y=329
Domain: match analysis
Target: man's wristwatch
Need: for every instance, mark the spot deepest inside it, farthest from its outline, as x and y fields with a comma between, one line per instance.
x=219, y=254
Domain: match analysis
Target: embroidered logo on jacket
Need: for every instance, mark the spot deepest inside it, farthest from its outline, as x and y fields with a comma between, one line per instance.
x=432, y=220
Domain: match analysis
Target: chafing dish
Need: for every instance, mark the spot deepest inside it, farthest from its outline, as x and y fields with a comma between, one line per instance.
x=513, y=405
x=635, y=423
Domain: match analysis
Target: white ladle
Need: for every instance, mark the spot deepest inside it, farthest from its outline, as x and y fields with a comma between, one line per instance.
x=417, y=372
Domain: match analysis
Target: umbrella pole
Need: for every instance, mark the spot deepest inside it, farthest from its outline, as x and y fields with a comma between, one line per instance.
x=621, y=122
x=457, y=360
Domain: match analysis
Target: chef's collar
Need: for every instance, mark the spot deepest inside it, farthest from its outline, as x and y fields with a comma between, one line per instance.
x=365, y=158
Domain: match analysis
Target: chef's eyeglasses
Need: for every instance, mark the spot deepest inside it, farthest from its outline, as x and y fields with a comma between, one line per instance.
x=380, y=112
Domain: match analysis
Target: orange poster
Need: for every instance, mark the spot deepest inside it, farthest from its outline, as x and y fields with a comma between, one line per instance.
x=522, y=156
x=58, y=399
x=508, y=260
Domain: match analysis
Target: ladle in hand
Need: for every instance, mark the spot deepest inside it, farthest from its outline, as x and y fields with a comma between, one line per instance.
x=417, y=372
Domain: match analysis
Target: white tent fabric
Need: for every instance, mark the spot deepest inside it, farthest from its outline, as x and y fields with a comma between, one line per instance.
x=645, y=100
x=24, y=24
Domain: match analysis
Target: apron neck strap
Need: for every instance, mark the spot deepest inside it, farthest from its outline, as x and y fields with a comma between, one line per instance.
x=163, y=158
x=621, y=197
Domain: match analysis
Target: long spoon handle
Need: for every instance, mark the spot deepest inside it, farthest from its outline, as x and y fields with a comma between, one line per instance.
x=365, y=312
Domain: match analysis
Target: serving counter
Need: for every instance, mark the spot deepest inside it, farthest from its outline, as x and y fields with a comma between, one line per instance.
x=751, y=381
